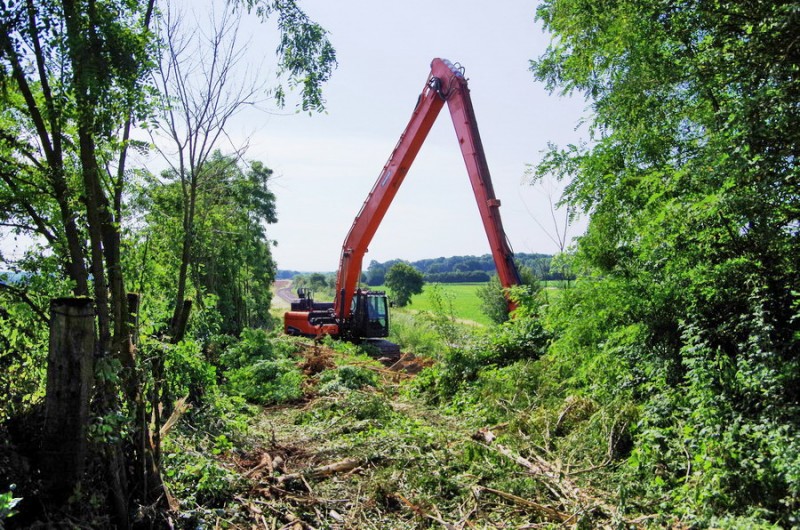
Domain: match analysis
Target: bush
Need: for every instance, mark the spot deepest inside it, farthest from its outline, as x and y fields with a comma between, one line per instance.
x=261, y=368
x=415, y=335
x=255, y=345
x=267, y=382
x=346, y=378
x=519, y=339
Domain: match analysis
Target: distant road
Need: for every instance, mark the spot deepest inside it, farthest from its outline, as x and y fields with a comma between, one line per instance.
x=283, y=294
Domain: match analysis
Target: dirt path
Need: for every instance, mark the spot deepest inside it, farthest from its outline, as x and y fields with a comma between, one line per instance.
x=375, y=456
x=282, y=294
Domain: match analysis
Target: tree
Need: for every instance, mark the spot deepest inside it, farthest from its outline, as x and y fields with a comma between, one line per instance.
x=376, y=273
x=232, y=266
x=404, y=282
x=690, y=182
x=201, y=95
x=204, y=85
x=494, y=298
x=75, y=80
x=72, y=75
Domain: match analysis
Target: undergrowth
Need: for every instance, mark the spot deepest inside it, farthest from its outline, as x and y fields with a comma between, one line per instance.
x=615, y=441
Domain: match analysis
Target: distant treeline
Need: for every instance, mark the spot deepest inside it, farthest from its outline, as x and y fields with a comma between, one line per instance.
x=284, y=274
x=455, y=269
x=462, y=269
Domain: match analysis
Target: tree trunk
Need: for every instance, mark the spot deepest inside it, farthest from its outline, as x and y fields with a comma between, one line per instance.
x=69, y=383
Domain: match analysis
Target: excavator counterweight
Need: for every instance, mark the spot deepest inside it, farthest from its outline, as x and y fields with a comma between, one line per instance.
x=358, y=314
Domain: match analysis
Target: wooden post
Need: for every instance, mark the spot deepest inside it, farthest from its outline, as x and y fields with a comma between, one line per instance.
x=133, y=317
x=180, y=327
x=69, y=383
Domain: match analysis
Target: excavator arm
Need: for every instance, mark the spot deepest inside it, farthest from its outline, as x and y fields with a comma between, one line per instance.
x=357, y=314
x=445, y=84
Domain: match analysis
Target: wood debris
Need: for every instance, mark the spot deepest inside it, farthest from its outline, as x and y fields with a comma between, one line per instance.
x=343, y=466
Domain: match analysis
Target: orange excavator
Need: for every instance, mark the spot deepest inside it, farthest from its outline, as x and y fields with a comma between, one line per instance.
x=357, y=314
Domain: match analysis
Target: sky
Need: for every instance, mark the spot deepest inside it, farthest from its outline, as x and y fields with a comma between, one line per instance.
x=326, y=164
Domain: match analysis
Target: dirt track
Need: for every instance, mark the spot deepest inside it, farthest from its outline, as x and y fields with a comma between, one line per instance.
x=282, y=289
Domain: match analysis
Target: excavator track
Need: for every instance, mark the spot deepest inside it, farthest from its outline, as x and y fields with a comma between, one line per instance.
x=387, y=348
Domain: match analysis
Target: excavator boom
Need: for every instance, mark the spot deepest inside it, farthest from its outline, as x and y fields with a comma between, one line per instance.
x=446, y=84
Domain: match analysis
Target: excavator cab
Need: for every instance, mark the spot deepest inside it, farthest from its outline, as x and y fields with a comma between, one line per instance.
x=369, y=315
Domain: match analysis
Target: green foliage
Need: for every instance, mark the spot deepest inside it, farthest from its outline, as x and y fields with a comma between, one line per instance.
x=255, y=345
x=690, y=298
x=376, y=274
x=8, y=503
x=262, y=368
x=468, y=356
x=196, y=477
x=494, y=298
x=187, y=371
x=305, y=55
x=525, y=338
x=353, y=405
x=494, y=304
x=231, y=261
x=442, y=317
x=404, y=281
x=266, y=382
x=469, y=269
x=23, y=347
x=75, y=77
x=346, y=378
x=415, y=334
x=322, y=285
x=196, y=453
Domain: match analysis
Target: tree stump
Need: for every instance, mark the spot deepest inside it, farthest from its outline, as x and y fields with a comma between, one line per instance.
x=69, y=383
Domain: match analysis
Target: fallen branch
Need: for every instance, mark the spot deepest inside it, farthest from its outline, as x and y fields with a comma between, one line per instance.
x=342, y=466
x=266, y=462
x=553, y=481
x=559, y=484
x=551, y=514
x=422, y=513
x=178, y=410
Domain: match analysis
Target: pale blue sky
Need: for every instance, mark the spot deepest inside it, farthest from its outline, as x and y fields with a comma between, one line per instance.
x=326, y=164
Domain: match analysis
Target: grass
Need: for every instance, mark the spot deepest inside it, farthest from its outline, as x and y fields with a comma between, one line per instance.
x=373, y=451
x=465, y=302
x=466, y=305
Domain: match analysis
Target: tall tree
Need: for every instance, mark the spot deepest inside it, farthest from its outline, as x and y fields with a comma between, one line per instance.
x=74, y=76
x=691, y=185
x=231, y=259
x=204, y=85
x=73, y=72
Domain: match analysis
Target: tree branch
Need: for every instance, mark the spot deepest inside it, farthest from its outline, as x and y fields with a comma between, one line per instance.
x=22, y=295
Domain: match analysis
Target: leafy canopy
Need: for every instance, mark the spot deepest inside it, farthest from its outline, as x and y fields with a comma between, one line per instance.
x=690, y=182
x=404, y=281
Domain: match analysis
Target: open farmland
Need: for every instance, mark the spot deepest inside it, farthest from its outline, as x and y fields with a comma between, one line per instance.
x=462, y=297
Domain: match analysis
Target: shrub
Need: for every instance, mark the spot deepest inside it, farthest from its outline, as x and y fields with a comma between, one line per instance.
x=346, y=378
x=415, y=335
x=261, y=368
x=255, y=345
x=266, y=382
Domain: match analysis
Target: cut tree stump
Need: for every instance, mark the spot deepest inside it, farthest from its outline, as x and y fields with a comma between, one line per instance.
x=70, y=366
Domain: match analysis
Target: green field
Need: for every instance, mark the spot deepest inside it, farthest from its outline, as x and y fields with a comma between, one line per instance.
x=465, y=302
x=462, y=297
